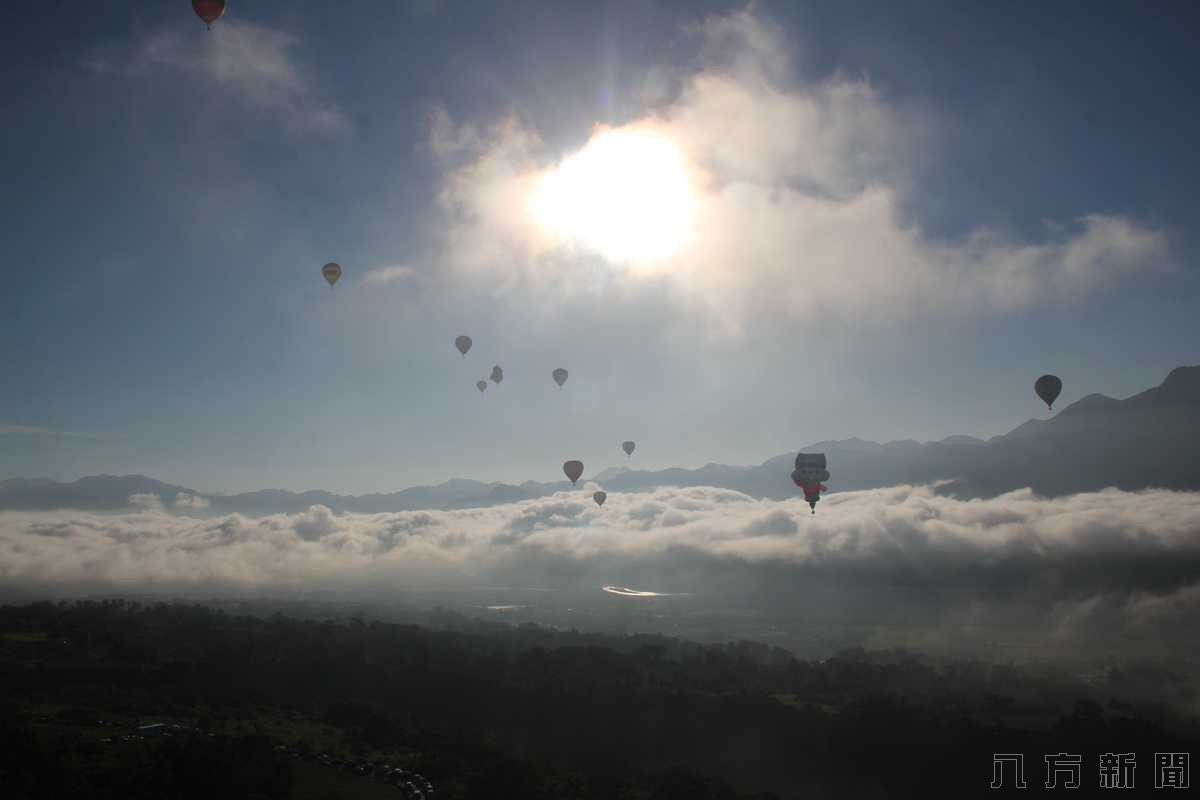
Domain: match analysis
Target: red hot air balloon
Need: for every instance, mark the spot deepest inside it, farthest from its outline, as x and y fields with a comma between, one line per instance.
x=208, y=10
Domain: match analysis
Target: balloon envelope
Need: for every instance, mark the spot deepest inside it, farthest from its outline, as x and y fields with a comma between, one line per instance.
x=497, y=374
x=816, y=460
x=628, y=447
x=573, y=469
x=600, y=497
x=481, y=385
x=1048, y=387
x=560, y=376
x=331, y=272
x=208, y=10
x=463, y=343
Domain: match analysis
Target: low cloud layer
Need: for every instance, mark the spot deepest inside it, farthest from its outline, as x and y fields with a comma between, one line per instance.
x=183, y=502
x=801, y=205
x=1085, y=570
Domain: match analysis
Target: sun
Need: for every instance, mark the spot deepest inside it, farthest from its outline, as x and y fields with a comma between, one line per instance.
x=627, y=194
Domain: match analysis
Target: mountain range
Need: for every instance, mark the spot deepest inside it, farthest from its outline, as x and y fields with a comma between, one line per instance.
x=1148, y=440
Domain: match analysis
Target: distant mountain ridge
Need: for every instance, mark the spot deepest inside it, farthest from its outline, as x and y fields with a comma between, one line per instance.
x=102, y=492
x=1148, y=440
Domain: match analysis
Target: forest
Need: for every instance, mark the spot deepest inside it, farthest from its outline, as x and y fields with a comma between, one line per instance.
x=284, y=707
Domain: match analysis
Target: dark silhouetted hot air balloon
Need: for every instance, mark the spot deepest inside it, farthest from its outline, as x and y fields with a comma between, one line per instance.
x=573, y=469
x=208, y=10
x=600, y=497
x=331, y=272
x=560, y=376
x=628, y=447
x=481, y=386
x=497, y=374
x=808, y=474
x=463, y=343
x=1048, y=387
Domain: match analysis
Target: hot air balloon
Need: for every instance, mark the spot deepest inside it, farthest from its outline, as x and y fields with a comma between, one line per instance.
x=808, y=474
x=331, y=273
x=600, y=497
x=573, y=469
x=628, y=447
x=1048, y=387
x=481, y=385
x=463, y=343
x=560, y=376
x=497, y=374
x=208, y=10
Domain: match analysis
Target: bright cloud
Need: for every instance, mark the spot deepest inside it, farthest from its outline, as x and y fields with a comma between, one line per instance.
x=768, y=199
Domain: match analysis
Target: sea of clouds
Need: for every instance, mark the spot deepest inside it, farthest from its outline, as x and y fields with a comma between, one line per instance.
x=1098, y=570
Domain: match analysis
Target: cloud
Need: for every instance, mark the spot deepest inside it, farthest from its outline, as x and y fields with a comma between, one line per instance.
x=189, y=502
x=903, y=563
x=801, y=208
x=245, y=64
x=315, y=523
x=391, y=274
x=148, y=502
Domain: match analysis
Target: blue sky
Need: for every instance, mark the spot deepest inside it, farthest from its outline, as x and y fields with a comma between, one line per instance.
x=888, y=243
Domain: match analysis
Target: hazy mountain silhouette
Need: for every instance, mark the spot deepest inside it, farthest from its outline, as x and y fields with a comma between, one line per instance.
x=279, y=501
x=103, y=492
x=1147, y=440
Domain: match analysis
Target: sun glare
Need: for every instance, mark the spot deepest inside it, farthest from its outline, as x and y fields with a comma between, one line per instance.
x=627, y=195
